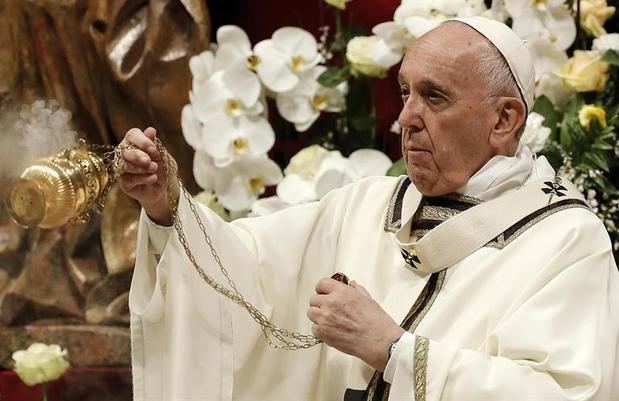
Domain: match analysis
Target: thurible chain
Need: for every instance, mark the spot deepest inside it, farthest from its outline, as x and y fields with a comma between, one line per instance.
x=275, y=336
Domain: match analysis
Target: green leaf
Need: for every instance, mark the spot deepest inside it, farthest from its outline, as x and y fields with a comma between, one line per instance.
x=566, y=137
x=334, y=76
x=611, y=57
x=398, y=168
x=544, y=106
x=602, y=146
x=597, y=160
x=601, y=182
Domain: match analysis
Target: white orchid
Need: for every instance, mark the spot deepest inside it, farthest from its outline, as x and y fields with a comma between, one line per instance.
x=281, y=59
x=549, y=19
x=202, y=66
x=412, y=19
x=238, y=184
x=229, y=108
x=535, y=133
x=549, y=85
x=303, y=104
x=314, y=171
x=393, y=41
x=547, y=58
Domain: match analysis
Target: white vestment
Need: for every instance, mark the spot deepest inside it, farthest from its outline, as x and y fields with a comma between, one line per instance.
x=535, y=318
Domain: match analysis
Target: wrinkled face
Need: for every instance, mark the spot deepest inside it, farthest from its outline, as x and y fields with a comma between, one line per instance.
x=445, y=125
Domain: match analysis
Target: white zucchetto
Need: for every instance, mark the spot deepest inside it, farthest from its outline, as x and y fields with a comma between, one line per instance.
x=513, y=49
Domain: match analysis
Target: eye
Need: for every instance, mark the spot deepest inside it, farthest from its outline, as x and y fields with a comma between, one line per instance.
x=434, y=97
x=405, y=93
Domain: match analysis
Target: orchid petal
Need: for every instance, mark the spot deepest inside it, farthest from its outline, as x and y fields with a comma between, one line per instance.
x=208, y=97
x=418, y=26
x=546, y=57
x=204, y=170
x=370, y=162
x=217, y=136
x=228, y=56
x=304, y=126
x=233, y=192
x=258, y=132
x=234, y=36
x=191, y=127
x=255, y=110
x=335, y=171
x=384, y=55
x=296, y=109
x=561, y=23
x=294, y=189
x=242, y=84
x=201, y=65
x=330, y=180
x=268, y=170
x=273, y=69
x=295, y=41
x=409, y=9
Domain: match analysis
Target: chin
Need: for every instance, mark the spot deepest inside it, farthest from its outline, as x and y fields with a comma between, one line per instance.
x=426, y=185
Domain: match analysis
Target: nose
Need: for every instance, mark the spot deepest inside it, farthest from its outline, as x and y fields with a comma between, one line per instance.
x=410, y=117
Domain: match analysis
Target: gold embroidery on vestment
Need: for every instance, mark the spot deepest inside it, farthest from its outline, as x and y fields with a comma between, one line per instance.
x=422, y=345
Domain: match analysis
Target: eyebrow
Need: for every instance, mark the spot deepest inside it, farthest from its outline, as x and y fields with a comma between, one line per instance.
x=427, y=83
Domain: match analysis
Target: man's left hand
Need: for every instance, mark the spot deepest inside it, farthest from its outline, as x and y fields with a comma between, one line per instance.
x=347, y=318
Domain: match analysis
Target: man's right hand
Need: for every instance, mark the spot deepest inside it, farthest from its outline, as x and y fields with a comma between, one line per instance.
x=143, y=177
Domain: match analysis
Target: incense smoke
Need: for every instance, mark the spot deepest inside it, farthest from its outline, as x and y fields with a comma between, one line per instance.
x=29, y=133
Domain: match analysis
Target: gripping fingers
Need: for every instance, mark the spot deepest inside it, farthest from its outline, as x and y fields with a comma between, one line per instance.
x=129, y=181
x=130, y=168
x=143, y=142
x=137, y=157
x=312, y=313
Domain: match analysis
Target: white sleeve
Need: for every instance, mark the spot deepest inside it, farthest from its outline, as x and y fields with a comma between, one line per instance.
x=158, y=235
x=400, y=366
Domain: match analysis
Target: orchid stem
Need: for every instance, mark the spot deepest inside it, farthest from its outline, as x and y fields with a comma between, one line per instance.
x=373, y=112
x=338, y=23
x=44, y=391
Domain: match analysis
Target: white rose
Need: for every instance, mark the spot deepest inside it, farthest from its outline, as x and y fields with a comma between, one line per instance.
x=306, y=162
x=535, y=134
x=606, y=42
x=341, y=4
x=359, y=53
x=40, y=363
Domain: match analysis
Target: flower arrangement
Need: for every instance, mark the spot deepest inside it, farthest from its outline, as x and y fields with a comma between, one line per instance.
x=327, y=84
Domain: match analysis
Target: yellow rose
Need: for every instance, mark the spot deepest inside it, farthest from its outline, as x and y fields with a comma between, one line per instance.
x=359, y=53
x=589, y=112
x=40, y=363
x=341, y=4
x=593, y=16
x=305, y=163
x=584, y=72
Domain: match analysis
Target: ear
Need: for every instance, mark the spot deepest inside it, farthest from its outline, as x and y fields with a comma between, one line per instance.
x=511, y=116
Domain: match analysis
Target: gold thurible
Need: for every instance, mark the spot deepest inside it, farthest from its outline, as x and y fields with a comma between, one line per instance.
x=59, y=189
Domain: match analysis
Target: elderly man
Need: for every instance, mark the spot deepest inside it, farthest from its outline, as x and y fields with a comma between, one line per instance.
x=487, y=279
